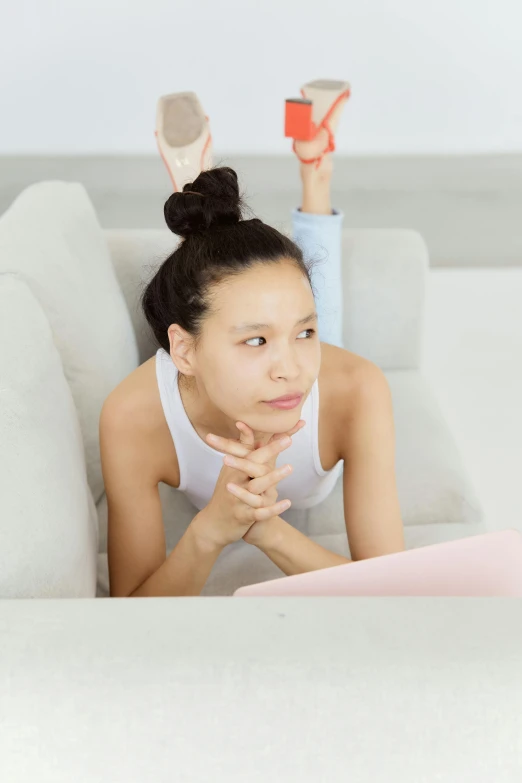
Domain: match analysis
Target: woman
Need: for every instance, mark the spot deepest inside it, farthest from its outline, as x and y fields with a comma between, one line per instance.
x=244, y=315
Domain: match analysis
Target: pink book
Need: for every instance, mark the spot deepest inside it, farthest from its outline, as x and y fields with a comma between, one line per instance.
x=488, y=564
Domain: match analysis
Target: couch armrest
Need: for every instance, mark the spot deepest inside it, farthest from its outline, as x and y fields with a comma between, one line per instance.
x=385, y=274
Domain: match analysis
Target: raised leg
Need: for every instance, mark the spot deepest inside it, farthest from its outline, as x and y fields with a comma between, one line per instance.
x=317, y=229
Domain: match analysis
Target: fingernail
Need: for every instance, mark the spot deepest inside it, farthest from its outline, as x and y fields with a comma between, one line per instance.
x=285, y=441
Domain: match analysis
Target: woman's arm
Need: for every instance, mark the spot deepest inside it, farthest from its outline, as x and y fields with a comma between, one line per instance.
x=371, y=504
x=372, y=512
x=136, y=549
x=292, y=551
x=317, y=230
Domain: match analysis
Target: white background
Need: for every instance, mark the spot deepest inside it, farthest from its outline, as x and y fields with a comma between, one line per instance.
x=427, y=77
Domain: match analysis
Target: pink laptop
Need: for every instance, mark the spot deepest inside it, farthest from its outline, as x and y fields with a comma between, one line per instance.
x=489, y=564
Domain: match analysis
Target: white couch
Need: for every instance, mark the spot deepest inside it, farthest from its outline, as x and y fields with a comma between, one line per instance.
x=71, y=330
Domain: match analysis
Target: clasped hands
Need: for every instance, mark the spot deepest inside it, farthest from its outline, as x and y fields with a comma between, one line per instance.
x=257, y=477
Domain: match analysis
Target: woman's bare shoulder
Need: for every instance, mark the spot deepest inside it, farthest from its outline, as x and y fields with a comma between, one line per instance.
x=133, y=410
x=340, y=369
x=341, y=376
x=137, y=395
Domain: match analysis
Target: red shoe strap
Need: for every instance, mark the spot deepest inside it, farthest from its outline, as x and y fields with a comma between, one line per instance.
x=324, y=121
x=324, y=124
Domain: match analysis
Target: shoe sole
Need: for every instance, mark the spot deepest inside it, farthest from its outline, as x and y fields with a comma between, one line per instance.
x=183, y=137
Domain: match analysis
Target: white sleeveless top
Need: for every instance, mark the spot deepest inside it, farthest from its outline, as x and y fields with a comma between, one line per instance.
x=200, y=464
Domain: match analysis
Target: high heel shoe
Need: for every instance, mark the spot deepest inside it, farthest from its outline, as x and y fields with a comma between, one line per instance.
x=183, y=137
x=319, y=108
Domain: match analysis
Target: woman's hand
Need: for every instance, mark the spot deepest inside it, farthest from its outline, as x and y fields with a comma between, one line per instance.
x=238, y=456
x=227, y=517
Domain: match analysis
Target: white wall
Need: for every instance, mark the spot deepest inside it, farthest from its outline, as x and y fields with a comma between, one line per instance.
x=427, y=75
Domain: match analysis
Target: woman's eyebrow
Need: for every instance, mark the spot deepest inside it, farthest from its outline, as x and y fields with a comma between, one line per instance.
x=251, y=327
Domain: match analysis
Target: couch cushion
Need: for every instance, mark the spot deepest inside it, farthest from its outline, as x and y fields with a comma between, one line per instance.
x=48, y=522
x=432, y=481
x=50, y=237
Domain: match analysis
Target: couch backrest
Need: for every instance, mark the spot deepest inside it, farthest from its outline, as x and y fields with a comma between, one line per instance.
x=384, y=286
x=136, y=255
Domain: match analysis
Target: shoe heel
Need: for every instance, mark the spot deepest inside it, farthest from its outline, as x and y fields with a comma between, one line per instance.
x=298, y=119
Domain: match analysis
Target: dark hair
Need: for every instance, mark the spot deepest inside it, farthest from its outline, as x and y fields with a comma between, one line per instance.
x=218, y=243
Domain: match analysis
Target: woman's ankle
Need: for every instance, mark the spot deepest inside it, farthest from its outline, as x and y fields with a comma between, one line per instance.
x=309, y=172
x=317, y=202
x=316, y=195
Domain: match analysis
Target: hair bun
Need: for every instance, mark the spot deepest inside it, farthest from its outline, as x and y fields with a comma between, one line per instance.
x=211, y=200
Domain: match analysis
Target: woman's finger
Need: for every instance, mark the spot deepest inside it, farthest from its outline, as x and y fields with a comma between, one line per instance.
x=247, y=466
x=269, y=452
x=239, y=449
x=228, y=446
x=261, y=477
x=256, y=501
x=246, y=435
x=249, y=438
x=260, y=486
x=260, y=514
x=299, y=426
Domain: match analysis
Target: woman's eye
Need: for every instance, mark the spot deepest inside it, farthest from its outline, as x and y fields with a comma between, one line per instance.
x=310, y=331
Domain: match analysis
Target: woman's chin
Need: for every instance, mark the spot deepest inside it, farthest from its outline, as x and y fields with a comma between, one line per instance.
x=285, y=421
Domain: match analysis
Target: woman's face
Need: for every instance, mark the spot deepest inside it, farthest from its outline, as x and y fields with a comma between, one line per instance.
x=238, y=367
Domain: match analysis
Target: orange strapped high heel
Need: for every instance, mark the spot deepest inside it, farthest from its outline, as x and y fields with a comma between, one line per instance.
x=304, y=117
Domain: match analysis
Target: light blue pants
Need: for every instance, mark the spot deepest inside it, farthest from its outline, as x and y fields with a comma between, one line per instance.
x=319, y=237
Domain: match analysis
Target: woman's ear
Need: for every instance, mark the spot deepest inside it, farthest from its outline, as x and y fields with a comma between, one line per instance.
x=181, y=351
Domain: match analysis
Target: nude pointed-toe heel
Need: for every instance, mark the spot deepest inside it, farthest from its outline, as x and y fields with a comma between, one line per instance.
x=183, y=136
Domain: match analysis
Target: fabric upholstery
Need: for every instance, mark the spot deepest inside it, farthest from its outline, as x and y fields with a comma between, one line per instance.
x=48, y=520
x=385, y=275
x=384, y=287
x=50, y=237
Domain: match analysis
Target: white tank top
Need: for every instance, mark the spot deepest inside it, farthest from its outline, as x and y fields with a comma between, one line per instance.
x=200, y=464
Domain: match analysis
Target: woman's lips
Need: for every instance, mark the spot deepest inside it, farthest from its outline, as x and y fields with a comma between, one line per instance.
x=286, y=405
